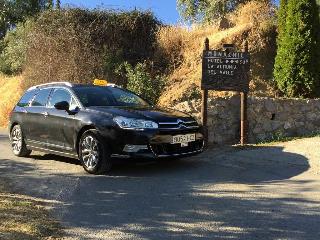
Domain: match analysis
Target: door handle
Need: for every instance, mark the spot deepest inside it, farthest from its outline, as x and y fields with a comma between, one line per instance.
x=46, y=114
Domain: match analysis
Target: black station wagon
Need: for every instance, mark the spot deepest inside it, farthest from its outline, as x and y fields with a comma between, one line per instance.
x=97, y=124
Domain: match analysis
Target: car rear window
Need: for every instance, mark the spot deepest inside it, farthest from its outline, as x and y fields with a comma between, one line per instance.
x=42, y=97
x=26, y=98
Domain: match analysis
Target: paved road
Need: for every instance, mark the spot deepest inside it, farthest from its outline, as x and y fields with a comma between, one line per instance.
x=269, y=192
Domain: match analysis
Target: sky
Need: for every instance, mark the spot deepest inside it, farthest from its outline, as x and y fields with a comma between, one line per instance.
x=165, y=10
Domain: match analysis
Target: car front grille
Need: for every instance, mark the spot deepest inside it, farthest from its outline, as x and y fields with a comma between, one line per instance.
x=180, y=124
x=167, y=149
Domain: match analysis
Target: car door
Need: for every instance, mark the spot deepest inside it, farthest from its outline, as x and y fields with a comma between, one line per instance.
x=22, y=110
x=36, y=121
x=61, y=124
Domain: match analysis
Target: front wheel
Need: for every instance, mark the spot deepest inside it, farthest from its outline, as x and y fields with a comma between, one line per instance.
x=93, y=154
x=18, y=145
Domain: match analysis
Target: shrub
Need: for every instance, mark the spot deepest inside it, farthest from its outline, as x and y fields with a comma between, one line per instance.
x=13, y=54
x=297, y=66
x=141, y=82
x=170, y=42
x=79, y=45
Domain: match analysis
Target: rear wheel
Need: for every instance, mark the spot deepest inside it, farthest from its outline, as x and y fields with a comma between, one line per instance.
x=93, y=154
x=17, y=142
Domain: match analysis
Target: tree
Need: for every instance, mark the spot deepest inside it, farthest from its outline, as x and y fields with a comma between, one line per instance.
x=58, y=4
x=207, y=10
x=282, y=15
x=141, y=81
x=49, y=4
x=13, y=55
x=15, y=11
x=297, y=64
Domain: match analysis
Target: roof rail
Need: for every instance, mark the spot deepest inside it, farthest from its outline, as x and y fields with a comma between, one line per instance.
x=113, y=85
x=51, y=83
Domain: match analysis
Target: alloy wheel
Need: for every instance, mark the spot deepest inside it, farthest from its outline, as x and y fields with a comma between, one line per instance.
x=16, y=138
x=90, y=152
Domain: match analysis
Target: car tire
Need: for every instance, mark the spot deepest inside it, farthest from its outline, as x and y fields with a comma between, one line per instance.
x=18, y=144
x=93, y=153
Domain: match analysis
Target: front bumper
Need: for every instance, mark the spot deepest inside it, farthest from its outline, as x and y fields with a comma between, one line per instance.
x=158, y=144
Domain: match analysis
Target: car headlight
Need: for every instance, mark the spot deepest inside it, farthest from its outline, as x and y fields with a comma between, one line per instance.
x=132, y=123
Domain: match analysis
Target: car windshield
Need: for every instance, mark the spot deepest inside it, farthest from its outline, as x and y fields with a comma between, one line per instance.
x=108, y=96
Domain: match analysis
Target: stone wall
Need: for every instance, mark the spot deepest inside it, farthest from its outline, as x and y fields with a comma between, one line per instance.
x=268, y=118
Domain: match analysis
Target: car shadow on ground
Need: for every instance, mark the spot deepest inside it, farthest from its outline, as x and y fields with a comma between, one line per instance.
x=52, y=157
x=239, y=194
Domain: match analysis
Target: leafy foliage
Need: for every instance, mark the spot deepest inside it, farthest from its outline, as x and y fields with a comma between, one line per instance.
x=297, y=66
x=13, y=54
x=14, y=11
x=141, y=81
x=208, y=10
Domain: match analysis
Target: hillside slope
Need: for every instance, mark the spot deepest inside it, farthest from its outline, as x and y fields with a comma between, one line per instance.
x=254, y=21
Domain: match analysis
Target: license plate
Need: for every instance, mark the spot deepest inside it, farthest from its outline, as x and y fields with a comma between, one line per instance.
x=183, y=139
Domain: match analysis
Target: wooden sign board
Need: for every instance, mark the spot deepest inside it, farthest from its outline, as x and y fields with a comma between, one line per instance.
x=225, y=71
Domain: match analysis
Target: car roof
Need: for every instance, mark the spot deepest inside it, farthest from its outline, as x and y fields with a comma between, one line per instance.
x=66, y=84
x=52, y=84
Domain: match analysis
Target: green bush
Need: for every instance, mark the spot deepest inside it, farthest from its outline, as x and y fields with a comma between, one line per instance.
x=14, y=46
x=141, y=81
x=297, y=65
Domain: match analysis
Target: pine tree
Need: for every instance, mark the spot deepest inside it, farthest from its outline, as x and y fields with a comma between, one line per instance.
x=297, y=65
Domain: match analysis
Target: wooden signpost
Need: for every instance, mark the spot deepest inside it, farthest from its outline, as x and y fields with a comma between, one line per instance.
x=226, y=70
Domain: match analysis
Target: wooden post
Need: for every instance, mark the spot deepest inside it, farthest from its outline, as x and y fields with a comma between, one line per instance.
x=204, y=104
x=244, y=119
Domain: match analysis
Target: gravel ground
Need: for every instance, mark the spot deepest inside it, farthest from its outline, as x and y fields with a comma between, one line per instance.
x=257, y=192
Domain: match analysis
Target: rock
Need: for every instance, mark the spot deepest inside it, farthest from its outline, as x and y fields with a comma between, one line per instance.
x=287, y=125
x=266, y=126
x=299, y=124
x=276, y=125
x=312, y=116
x=270, y=106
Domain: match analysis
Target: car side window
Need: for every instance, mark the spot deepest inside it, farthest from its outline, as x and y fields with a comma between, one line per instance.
x=59, y=95
x=73, y=104
x=26, y=98
x=41, y=98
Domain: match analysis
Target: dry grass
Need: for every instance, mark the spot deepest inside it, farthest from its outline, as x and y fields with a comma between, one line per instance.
x=10, y=93
x=23, y=217
x=183, y=47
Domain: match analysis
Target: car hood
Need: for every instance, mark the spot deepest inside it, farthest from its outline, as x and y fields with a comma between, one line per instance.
x=149, y=113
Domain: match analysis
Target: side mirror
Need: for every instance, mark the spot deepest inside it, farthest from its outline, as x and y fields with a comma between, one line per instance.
x=62, y=106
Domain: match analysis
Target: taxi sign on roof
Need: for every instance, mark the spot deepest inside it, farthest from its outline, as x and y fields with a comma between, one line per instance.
x=100, y=82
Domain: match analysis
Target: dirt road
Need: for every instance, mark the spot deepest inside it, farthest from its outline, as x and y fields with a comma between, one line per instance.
x=266, y=192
